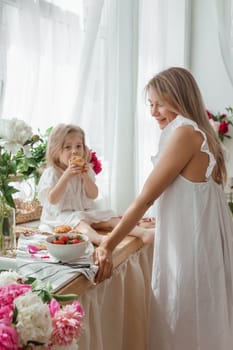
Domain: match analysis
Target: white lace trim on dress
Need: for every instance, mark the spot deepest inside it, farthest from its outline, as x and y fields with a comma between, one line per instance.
x=179, y=121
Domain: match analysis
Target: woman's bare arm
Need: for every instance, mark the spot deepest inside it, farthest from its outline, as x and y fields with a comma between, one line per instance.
x=175, y=157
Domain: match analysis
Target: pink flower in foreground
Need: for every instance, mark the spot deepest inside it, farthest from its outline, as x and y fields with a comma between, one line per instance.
x=11, y=291
x=67, y=324
x=8, y=336
x=6, y=312
x=54, y=307
x=78, y=308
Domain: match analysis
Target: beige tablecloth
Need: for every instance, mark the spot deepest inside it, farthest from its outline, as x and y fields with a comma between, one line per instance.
x=117, y=310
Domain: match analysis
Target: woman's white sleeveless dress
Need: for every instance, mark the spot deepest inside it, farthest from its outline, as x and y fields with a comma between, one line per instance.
x=192, y=278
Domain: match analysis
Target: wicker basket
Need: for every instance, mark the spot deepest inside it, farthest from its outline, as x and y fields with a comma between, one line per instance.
x=27, y=211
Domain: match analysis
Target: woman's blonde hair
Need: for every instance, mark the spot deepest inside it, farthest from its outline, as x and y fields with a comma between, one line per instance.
x=178, y=89
x=56, y=142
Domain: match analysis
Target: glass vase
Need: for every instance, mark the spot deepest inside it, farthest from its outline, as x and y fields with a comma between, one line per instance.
x=7, y=230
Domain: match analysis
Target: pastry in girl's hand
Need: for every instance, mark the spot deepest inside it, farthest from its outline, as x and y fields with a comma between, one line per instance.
x=77, y=160
x=62, y=229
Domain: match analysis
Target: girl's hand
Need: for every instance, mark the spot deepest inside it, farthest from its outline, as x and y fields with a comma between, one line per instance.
x=73, y=170
x=103, y=258
x=85, y=168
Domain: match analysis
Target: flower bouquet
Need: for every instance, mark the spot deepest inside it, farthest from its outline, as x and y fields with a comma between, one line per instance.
x=32, y=318
x=16, y=142
x=22, y=153
x=15, y=136
x=221, y=123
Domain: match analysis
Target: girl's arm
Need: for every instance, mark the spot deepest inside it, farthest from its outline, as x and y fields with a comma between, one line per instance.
x=72, y=170
x=90, y=187
x=175, y=157
x=57, y=191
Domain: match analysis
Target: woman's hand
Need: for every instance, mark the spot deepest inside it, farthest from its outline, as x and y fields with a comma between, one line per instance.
x=103, y=258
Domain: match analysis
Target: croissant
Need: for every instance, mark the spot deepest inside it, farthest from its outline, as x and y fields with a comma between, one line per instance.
x=62, y=229
x=77, y=160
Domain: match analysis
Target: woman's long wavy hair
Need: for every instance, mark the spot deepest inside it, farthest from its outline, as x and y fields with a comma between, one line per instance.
x=56, y=142
x=178, y=90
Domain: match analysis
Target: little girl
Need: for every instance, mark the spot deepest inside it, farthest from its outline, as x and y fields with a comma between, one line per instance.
x=68, y=191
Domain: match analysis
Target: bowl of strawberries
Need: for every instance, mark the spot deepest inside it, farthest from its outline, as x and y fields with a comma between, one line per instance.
x=67, y=247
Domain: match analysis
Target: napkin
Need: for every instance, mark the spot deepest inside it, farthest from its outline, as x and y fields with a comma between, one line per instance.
x=43, y=266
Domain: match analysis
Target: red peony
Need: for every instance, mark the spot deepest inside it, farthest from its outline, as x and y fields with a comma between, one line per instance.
x=223, y=128
x=210, y=115
x=221, y=123
x=97, y=166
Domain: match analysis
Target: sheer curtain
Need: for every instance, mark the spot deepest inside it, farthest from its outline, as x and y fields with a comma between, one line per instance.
x=164, y=37
x=152, y=58
x=42, y=47
x=224, y=16
x=88, y=65
x=107, y=106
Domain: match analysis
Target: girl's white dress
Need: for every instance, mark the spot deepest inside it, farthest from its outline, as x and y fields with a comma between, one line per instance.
x=73, y=206
x=192, y=279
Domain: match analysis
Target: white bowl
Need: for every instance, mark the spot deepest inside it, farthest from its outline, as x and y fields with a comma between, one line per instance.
x=67, y=252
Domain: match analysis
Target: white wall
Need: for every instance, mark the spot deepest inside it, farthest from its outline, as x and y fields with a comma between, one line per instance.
x=207, y=65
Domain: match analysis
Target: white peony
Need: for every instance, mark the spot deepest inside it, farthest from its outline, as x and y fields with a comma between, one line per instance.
x=33, y=319
x=13, y=134
x=9, y=277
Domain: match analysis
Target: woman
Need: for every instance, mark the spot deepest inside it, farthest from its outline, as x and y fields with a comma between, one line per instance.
x=192, y=277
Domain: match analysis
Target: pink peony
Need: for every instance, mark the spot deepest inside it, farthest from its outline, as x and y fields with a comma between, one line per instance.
x=12, y=291
x=67, y=324
x=8, y=336
x=78, y=308
x=6, y=312
x=9, y=292
x=54, y=307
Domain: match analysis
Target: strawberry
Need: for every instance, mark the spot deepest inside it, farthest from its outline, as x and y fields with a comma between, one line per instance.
x=65, y=239
x=75, y=241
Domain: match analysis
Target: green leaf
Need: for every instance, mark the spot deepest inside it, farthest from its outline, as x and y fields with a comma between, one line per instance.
x=3, y=270
x=230, y=204
x=15, y=314
x=33, y=342
x=30, y=280
x=65, y=297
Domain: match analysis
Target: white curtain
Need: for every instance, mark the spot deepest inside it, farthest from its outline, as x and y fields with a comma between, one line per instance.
x=106, y=96
x=152, y=58
x=224, y=17
x=42, y=47
x=88, y=65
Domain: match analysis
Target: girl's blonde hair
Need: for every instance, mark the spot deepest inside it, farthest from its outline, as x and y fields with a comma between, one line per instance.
x=56, y=142
x=177, y=88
